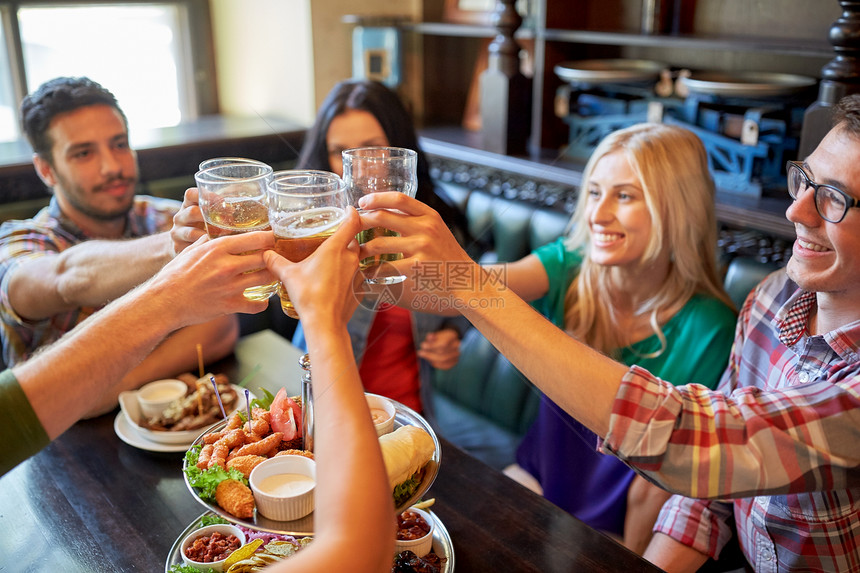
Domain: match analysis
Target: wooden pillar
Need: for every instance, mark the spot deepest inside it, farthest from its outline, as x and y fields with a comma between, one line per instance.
x=840, y=77
x=505, y=91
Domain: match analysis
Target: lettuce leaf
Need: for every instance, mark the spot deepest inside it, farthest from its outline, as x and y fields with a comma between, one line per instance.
x=404, y=491
x=265, y=401
x=182, y=568
x=205, y=481
x=212, y=520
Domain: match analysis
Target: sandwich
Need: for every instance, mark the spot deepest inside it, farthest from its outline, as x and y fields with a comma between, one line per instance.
x=405, y=452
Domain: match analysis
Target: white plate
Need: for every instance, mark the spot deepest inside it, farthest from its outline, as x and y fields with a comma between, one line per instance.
x=131, y=408
x=128, y=433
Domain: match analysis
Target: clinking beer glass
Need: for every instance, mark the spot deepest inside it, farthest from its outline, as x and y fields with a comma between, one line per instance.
x=374, y=170
x=232, y=198
x=305, y=208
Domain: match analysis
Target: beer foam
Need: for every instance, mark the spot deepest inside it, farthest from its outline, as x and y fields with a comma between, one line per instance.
x=308, y=223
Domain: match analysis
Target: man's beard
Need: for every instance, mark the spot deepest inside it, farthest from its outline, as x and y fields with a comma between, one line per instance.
x=74, y=198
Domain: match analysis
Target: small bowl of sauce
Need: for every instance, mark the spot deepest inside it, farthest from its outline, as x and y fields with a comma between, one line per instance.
x=283, y=487
x=156, y=396
x=382, y=412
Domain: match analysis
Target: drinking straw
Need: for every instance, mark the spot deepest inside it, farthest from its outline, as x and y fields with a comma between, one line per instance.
x=218, y=395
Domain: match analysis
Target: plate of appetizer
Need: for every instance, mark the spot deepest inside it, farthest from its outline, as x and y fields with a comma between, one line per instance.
x=174, y=426
x=219, y=462
x=263, y=548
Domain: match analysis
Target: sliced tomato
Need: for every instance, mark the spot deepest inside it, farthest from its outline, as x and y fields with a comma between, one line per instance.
x=286, y=416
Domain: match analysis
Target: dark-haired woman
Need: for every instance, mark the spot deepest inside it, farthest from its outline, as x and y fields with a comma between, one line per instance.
x=396, y=349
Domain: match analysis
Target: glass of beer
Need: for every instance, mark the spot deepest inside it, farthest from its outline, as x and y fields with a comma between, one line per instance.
x=232, y=198
x=374, y=170
x=305, y=208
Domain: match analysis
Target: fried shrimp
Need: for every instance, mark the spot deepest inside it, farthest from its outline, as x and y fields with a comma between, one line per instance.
x=205, y=456
x=261, y=447
x=223, y=446
x=235, y=497
x=258, y=427
x=245, y=463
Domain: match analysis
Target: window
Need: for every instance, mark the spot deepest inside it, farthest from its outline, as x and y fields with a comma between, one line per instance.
x=144, y=52
x=8, y=104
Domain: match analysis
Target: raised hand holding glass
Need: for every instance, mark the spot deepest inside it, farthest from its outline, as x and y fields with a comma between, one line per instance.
x=305, y=208
x=374, y=170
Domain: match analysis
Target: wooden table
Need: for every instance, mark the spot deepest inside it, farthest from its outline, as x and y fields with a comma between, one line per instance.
x=91, y=503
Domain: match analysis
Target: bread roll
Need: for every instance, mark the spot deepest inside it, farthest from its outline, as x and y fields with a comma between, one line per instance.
x=405, y=451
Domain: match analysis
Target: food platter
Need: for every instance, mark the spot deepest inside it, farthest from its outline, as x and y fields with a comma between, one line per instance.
x=403, y=415
x=128, y=429
x=609, y=71
x=442, y=545
x=746, y=84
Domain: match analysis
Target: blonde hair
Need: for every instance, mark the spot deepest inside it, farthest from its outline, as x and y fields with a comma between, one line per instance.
x=672, y=167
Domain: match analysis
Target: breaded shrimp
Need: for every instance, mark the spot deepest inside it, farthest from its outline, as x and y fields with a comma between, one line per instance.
x=262, y=447
x=245, y=463
x=205, y=456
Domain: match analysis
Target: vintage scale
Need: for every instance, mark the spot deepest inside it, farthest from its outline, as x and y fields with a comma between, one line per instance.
x=749, y=122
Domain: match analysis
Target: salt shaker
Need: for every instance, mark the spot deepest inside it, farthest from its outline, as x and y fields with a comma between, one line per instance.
x=307, y=404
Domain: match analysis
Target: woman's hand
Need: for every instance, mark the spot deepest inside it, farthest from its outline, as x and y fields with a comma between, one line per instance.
x=324, y=285
x=424, y=237
x=441, y=348
x=438, y=270
x=188, y=225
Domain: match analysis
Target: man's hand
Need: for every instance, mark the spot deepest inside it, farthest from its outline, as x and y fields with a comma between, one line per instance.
x=218, y=272
x=188, y=225
x=441, y=348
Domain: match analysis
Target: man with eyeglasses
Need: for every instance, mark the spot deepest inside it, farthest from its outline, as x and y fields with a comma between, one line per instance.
x=799, y=330
x=778, y=442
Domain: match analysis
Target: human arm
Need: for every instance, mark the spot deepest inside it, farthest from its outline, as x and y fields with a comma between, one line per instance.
x=532, y=343
x=527, y=277
x=176, y=353
x=89, y=274
x=648, y=423
x=688, y=532
x=205, y=282
x=354, y=512
x=644, y=501
x=672, y=556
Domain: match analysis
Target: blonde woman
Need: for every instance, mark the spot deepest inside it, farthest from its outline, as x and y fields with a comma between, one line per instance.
x=636, y=279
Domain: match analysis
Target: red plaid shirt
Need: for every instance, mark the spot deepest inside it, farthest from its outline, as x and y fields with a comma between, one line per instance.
x=786, y=422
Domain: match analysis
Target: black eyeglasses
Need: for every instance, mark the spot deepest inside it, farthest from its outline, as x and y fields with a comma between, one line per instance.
x=831, y=203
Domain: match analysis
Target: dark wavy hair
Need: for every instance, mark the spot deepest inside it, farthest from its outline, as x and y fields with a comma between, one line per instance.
x=847, y=113
x=57, y=96
x=385, y=105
